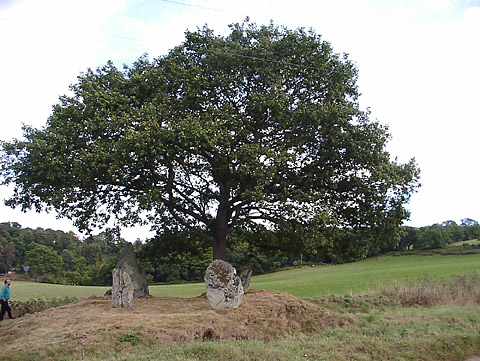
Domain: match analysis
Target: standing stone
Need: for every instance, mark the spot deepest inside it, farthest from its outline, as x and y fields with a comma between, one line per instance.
x=224, y=287
x=128, y=263
x=245, y=276
x=122, y=290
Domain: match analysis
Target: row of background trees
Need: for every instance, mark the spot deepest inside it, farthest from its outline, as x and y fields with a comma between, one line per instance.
x=59, y=257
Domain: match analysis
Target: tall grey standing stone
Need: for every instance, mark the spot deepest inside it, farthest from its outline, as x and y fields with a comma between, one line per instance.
x=122, y=290
x=224, y=287
x=128, y=263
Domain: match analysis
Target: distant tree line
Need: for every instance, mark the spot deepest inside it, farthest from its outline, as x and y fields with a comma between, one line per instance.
x=439, y=235
x=183, y=256
x=59, y=257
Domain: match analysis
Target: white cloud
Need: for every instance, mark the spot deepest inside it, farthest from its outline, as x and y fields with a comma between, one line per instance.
x=438, y=5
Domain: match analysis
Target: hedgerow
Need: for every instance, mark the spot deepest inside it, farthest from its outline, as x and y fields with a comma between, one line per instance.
x=20, y=308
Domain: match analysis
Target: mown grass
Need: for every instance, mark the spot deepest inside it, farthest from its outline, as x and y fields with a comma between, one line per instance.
x=24, y=290
x=350, y=278
x=357, y=277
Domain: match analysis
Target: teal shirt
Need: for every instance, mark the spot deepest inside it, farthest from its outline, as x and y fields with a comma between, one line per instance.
x=5, y=293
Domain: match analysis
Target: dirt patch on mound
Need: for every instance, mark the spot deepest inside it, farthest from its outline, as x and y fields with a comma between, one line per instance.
x=264, y=315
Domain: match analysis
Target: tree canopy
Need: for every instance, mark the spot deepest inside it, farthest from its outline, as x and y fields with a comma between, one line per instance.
x=44, y=260
x=259, y=128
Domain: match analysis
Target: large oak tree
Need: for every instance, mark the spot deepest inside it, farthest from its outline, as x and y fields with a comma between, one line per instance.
x=262, y=126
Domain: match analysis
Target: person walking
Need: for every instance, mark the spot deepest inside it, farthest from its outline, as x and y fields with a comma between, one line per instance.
x=4, y=297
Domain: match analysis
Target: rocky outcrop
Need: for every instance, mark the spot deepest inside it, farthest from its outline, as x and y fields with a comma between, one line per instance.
x=224, y=287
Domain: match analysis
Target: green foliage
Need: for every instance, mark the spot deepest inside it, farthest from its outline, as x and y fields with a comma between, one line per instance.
x=472, y=229
x=176, y=257
x=16, y=241
x=262, y=125
x=66, y=259
x=102, y=275
x=7, y=255
x=36, y=305
x=432, y=237
x=438, y=236
x=132, y=338
x=409, y=239
x=241, y=253
x=44, y=261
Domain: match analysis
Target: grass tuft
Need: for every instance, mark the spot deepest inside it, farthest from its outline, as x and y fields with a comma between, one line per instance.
x=131, y=338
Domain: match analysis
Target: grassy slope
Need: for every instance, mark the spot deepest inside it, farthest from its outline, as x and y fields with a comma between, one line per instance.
x=307, y=282
x=472, y=242
x=359, y=276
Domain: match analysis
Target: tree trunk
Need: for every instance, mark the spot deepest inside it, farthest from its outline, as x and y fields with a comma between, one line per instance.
x=220, y=226
x=220, y=249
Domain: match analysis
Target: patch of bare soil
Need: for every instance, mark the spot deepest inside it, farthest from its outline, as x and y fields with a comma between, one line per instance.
x=264, y=315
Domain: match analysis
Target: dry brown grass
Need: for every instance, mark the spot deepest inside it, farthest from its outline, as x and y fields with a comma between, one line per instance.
x=93, y=322
x=92, y=326
x=458, y=290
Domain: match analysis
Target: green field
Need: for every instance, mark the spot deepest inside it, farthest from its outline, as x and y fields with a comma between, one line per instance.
x=352, y=278
x=22, y=290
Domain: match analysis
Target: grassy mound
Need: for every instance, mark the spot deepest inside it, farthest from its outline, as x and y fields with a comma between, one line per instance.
x=93, y=323
x=389, y=308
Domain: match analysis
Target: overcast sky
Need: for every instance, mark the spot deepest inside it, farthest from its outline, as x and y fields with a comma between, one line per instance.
x=418, y=63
